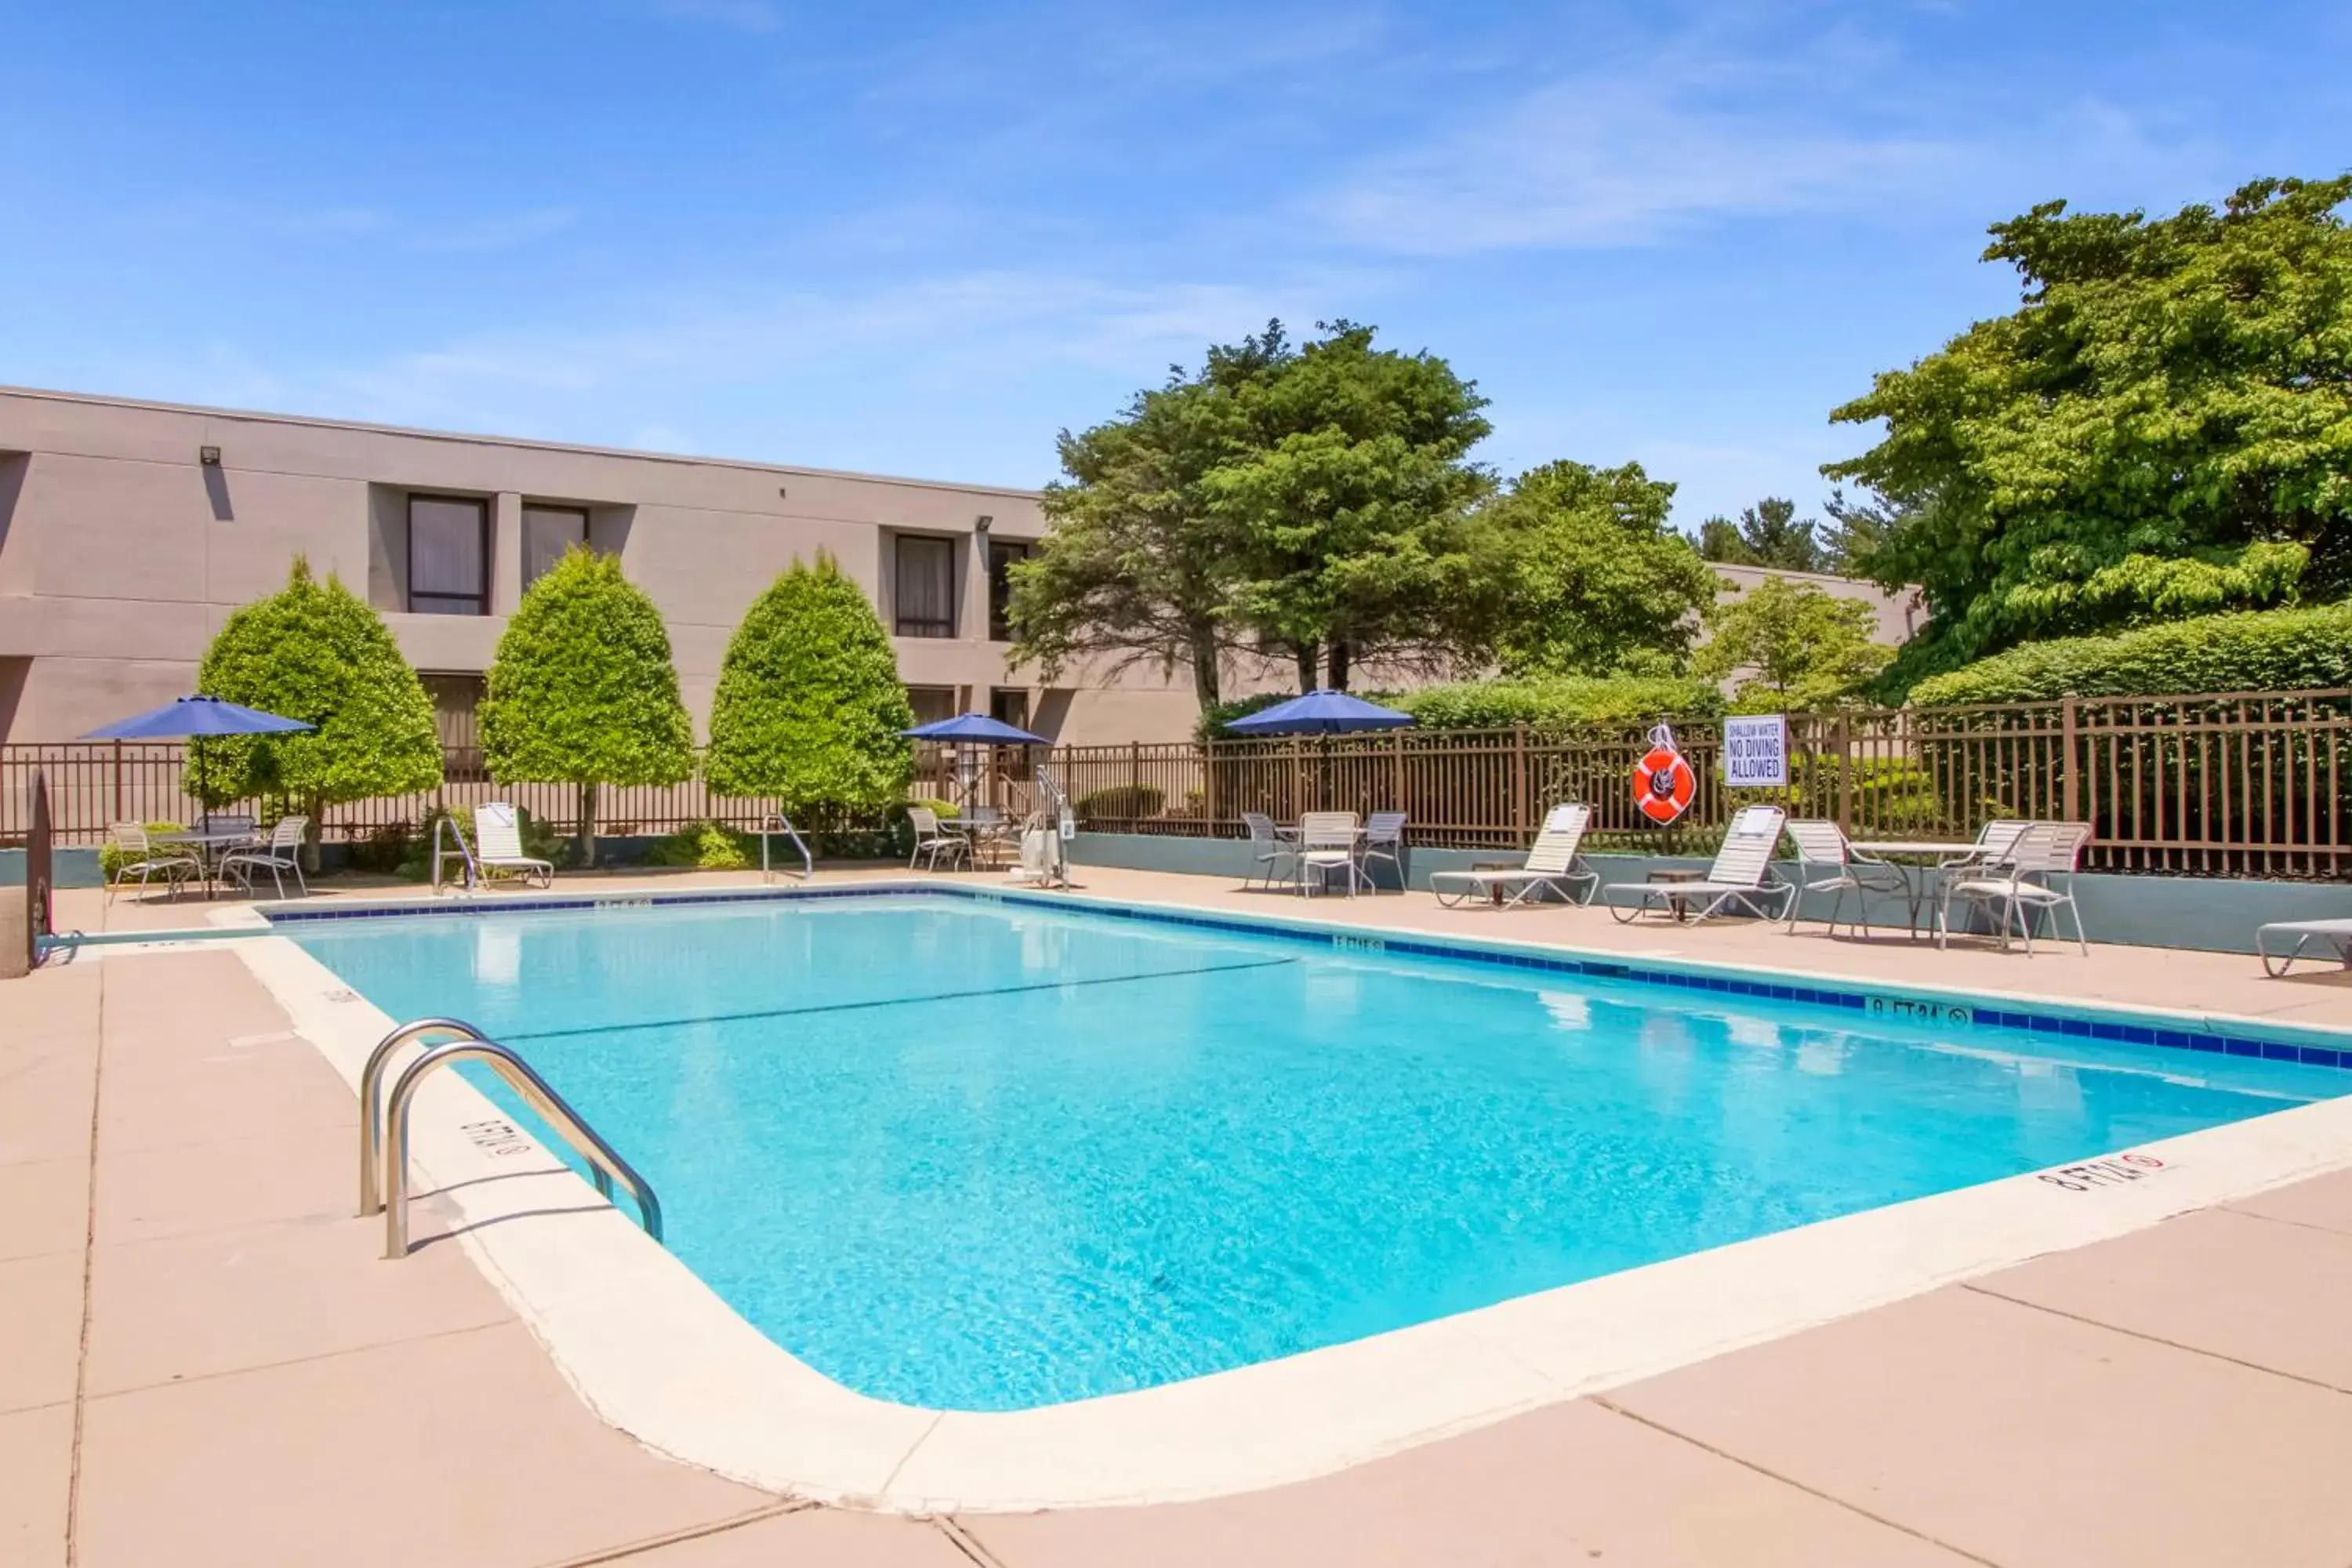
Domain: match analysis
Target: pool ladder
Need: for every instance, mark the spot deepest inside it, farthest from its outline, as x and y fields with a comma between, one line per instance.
x=383, y=1133
x=776, y=822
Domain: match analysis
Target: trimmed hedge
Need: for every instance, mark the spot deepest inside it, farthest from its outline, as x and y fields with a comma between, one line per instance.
x=707, y=845
x=2261, y=651
x=1122, y=803
x=1561, y=703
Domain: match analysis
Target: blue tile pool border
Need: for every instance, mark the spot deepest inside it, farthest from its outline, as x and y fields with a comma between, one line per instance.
x=2165, y=1031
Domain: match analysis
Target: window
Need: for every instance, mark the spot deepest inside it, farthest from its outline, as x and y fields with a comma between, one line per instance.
x=1001, y=557
x=547, y=533
x=457, y=701
x=448, y=556
x=1009, y=705
x=931, y=703
x=926, y=586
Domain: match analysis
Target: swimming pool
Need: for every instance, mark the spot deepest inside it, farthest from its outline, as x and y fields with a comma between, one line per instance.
x=990, y=1156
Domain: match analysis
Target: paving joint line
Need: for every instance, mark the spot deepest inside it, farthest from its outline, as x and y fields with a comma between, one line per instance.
x=301, y=1360
x=1830, y=1498
x=911, y=1448
x=776, y=1510
x=2156, y=1338
x=2230, y=1207
x=88, y=1265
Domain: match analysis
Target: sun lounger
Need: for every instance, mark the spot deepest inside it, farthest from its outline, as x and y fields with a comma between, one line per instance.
x=1555, y=865
x=498, y=846
x=2336, y=935
x=1735, y=880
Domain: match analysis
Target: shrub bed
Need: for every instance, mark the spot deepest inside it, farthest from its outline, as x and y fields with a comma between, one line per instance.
x=2261, y=651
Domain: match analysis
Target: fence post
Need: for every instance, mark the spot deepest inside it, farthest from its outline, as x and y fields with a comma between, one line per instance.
x=2068, y=790
x=1134, y=781
x=1209, y=786
x=1396, y=769
x=1845, y=773
x=1519, y=780
x=1297, y=778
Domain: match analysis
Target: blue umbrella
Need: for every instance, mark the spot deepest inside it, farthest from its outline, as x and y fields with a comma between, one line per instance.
x=188, y=718
x=1320, y=714
x=974, y=729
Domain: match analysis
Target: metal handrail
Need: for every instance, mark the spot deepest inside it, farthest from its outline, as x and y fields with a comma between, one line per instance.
x=372, y=1102
x=464, y=852
x=606, y=1164
x=777, y=822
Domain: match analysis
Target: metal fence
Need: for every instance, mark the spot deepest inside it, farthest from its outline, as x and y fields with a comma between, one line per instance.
x=2239, y=784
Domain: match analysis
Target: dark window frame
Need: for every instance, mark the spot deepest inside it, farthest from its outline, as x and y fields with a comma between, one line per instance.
x=587, y=524
x=902, y=624
x=1002, y=554
x=480, y=600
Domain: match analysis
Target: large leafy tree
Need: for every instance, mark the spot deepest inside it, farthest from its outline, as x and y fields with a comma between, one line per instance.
x=2163, y=428
x=1580, y=573
x=316, y=652
x=1136, y=567
x=1767, y=534
x=1800, y=648
x=1348, y=508
x=809, y=707
x=583, y=690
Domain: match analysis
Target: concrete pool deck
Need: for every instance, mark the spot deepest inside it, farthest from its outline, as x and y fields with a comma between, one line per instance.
x=202, y=1360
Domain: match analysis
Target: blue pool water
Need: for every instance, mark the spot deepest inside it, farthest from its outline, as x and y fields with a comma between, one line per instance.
x=995, y=1157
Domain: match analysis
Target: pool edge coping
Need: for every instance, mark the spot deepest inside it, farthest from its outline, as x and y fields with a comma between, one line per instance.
x=717, y=1393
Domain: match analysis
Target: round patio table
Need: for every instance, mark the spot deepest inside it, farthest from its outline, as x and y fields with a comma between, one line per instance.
x=1919, y=861
x=205, y=842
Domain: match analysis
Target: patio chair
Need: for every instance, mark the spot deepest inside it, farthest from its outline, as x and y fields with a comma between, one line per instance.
x=224, y=823
x=1827, y=861
x=1383, y=840
x=2335, y=933
x=498, y=846
x=136, y=856
x=932, y=841
x=1556, y=864
x=1736, y=879
x=1268, y=849
x=280, y=853
x=1326, y=843
x=2020, y=881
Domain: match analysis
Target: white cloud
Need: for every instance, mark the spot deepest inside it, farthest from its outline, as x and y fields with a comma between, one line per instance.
x=1628, y=153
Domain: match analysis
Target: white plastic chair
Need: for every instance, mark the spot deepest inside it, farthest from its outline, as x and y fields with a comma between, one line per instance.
x=2022, y=880
x=1822, y=846
x=1268, y=849
x=1383, y=840
x=282, y=852
x=136, y=854
x=932, y=841
x=1326, y=843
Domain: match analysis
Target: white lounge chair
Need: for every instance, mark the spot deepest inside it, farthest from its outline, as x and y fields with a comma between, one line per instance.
x=498, y=846
x=1326, y=843
x=2020, y=879
x=2335, y=933
x=136, y=856
x=1736, y=879
x=1828, y=861
x=280, y=853
x=933, y=842
x=1268, y=849
x=1556, y=864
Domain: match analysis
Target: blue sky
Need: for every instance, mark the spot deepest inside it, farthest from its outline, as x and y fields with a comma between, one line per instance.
x=921, y=239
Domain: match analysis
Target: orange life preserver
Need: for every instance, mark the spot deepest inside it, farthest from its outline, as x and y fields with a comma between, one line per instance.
x=1664, y=784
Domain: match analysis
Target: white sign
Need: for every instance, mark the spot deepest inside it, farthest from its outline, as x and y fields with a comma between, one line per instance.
x=1756, y=751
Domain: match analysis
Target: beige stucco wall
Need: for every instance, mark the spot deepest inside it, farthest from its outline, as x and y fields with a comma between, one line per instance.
x=120, y=552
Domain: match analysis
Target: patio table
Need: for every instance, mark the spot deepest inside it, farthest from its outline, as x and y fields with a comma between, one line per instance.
x=1289, y=833
x=204, y=842
x=1919, y=861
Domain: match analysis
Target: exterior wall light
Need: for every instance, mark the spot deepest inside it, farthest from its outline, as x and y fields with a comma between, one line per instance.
x=209, y=456
x=981, y=524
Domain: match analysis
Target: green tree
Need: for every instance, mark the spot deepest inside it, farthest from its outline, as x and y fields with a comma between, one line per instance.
x=1803, y=648
x=1767, y=534
x=1348, y=509
x=810, y=707
x=583, y=690
x=1582, y=575
x=2163, y=428
x=316, y=652
x=1137, y=567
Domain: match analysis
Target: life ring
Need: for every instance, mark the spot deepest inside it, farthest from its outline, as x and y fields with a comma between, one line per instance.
x=1663, y=785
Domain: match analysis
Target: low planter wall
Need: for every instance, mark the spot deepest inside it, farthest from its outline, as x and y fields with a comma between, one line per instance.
x=2212, y=914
